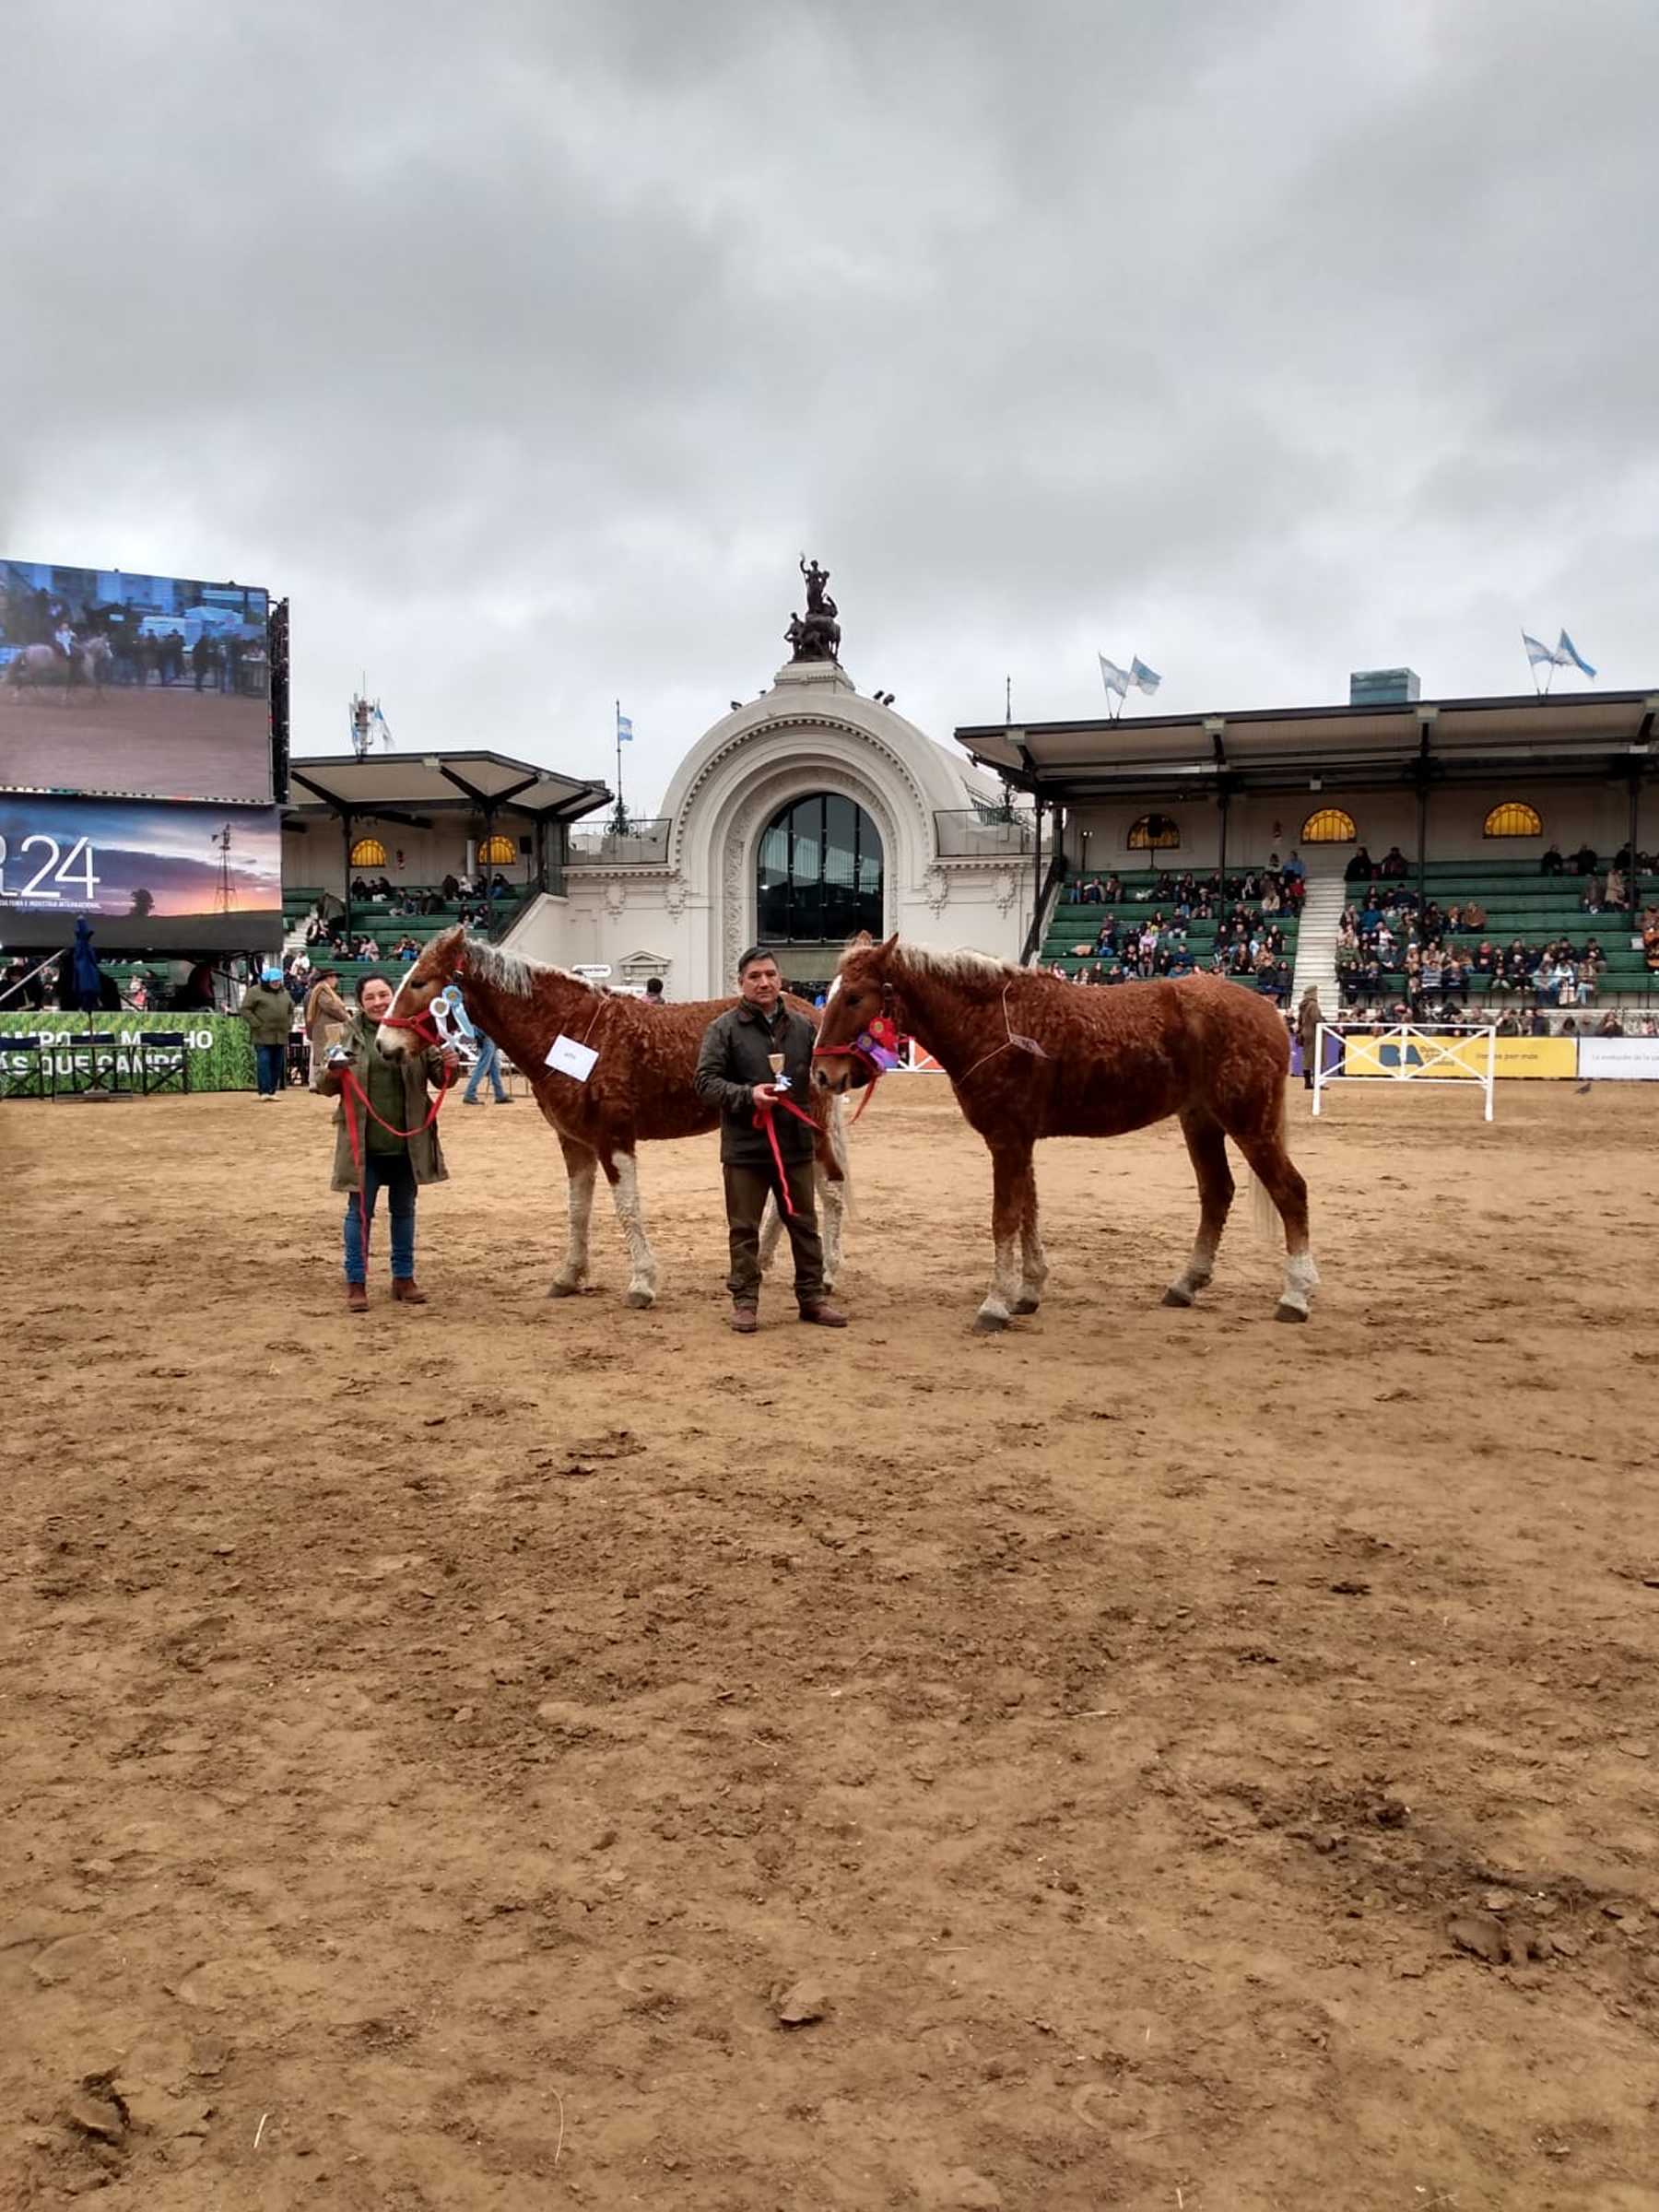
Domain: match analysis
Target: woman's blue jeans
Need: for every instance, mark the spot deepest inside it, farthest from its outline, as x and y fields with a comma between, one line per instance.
x=270, y=1067
x=391, y=1172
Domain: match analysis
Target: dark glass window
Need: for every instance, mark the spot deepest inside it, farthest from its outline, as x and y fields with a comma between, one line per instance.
x=818, y=878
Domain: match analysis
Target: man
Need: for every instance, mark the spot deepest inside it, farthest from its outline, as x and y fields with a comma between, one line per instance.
x=269, y=1013
x=734, y=1072
x=653, y=991
x=487, y=1063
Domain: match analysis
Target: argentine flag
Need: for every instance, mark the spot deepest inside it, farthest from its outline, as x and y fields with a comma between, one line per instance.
x=1566, y=651
x=624, y=728
x=1143, y=678
x=1113, y=676
x=1540, y=654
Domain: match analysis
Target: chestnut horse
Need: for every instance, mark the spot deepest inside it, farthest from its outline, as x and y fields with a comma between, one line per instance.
x=639, y=1087
x=1030, y=1055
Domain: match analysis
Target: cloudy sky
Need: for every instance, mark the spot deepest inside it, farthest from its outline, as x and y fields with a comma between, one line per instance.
x=526, y=345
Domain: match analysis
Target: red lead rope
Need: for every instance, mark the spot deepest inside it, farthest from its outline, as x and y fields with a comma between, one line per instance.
x=763, y=1120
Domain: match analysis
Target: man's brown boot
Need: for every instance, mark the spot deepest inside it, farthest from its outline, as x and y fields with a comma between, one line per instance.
x=357, y=1297
x=407, y=1291
x=746, y=1320
x=825, y=1316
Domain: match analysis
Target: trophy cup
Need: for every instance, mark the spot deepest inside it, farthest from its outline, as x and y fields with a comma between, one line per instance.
x=775, y=1062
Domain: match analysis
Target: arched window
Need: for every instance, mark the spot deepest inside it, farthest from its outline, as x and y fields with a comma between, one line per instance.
x=1330, y=826
x=1514, y=818
x=368, y=853
x=497, y=852
x=818, y=878
x=1153, y=833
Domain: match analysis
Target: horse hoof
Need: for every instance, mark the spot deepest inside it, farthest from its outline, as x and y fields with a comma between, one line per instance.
x=1285, y=1311
x=1025, y=1305
x=989, y=1325
x=563, y=1289
x=1175, y=1296
x=642, y=1299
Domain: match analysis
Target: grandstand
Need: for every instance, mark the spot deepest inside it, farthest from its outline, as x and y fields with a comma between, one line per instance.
x=1473, y=796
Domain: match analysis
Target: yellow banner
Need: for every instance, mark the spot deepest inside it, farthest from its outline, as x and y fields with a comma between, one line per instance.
x=1460, y=1059
x=1554, y=1056
x=1456, y=1059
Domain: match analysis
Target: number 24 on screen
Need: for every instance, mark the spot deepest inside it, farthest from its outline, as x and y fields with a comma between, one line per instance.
x=60, y=866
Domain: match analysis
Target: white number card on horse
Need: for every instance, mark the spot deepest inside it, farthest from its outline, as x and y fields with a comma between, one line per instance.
x=571, y=1059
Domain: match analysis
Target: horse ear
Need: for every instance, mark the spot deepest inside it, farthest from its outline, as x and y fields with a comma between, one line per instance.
x=861, y=943
x=887, y=950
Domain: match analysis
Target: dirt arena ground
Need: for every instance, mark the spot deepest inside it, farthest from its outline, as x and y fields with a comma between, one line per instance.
x=1192, y=1763
x=186, y=744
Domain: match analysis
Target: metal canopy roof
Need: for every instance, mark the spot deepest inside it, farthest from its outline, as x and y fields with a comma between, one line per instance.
x=441, y=782
x=1596, y=732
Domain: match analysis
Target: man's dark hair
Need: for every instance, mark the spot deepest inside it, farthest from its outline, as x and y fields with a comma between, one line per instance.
x=755, y=952
x=363, y=982
x=654, y=987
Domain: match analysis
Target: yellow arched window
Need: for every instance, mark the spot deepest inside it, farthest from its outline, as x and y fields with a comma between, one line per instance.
x=1153, y=833
x=1514, y=818
x=497, y=852
x=1330, y=826
x=368, y=853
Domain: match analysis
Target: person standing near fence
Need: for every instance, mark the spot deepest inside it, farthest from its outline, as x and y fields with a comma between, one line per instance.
x=392, y=1147
x=269, y=1013
x=1308, y=1019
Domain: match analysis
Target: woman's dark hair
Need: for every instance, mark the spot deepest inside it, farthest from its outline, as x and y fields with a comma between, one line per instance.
x=363, y=982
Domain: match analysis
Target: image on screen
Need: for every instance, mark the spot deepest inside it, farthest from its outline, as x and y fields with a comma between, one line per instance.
x=133, y=687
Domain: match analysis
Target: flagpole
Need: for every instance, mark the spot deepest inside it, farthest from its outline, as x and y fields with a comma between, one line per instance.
x=621, y=812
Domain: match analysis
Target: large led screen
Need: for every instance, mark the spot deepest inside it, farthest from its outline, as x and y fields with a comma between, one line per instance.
x=149, y=875
x=133, y=687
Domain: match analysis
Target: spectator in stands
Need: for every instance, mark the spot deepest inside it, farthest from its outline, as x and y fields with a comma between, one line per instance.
x=1609, y=1024
x=1474, y=916
x=360, y=889
x=1360, y=868
x=1583, y=860
x=1613, y=891
x=1649, y=942
x=1591, y=897
x=451, y=887
x=1395, y=862
x=326, y=1018
x=1090, y=894
x=398, y=1164
x=1552, y=864
x=406, y=947
x=269, y=1013
x=1295, y=867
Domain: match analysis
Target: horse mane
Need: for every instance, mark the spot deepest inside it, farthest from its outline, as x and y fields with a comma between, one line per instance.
x=517, y=973
x=963, y=967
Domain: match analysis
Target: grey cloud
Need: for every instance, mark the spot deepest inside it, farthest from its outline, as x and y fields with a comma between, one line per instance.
x=526, y=347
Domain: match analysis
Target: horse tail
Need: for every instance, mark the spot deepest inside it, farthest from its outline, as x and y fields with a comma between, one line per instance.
x=1264, y=1214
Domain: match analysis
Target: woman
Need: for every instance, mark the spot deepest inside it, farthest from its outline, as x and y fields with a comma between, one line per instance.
x=396, y=1140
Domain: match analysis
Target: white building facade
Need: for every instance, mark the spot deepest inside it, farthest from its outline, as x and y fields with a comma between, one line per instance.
x=908, y=837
